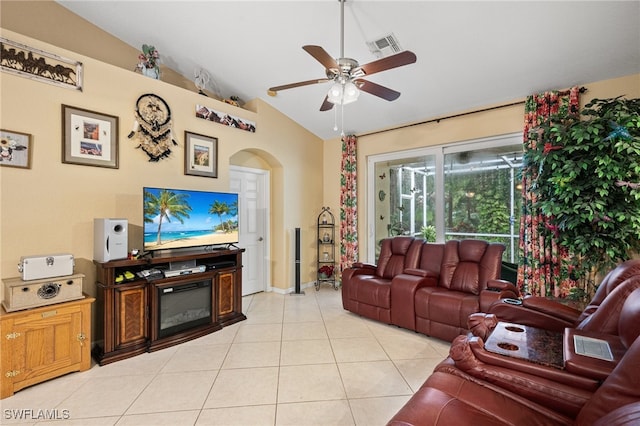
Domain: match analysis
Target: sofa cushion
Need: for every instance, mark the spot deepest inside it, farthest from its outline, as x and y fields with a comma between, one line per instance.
x=397, y=254
x=468, y=264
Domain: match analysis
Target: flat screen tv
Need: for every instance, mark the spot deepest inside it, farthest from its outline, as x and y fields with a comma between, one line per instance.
x=182, y=219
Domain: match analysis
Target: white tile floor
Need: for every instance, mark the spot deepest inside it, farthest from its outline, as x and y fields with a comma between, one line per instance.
x=296, y=360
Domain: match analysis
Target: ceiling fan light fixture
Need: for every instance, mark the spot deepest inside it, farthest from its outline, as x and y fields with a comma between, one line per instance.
x=343, y=93
x=335, y=93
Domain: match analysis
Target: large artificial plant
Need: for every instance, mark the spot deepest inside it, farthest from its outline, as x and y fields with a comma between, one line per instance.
x=588, y=185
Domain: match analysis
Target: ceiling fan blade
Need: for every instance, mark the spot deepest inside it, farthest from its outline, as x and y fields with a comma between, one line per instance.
x=321, y=56
x=377, y=90
x=298, y=84
x=393, y=61
x=326, y=105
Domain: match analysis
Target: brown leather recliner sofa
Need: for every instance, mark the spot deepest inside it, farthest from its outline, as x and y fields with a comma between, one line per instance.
x=543, y=313
x=466, y=390
x=565, y=387
x=426, y=287
x=450, y=400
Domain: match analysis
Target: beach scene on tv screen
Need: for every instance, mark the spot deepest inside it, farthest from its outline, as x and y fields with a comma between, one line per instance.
x=182, y=218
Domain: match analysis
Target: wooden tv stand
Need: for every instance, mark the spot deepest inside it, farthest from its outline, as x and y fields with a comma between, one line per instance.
x=129, y=308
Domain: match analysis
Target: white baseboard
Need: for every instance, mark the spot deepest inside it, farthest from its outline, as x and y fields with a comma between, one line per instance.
x=291, y=289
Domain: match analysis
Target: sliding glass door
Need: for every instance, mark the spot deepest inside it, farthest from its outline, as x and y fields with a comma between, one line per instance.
x=465, y=190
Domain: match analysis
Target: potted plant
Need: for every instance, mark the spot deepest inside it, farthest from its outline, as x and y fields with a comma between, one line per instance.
x=588, y=185
x=325, y=272
x=149, y=59
x=428, y=233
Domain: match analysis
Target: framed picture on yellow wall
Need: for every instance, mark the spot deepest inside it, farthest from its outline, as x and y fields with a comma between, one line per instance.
x=15, y=149
x=39, y=65
x=89, y=138
x=200, y=155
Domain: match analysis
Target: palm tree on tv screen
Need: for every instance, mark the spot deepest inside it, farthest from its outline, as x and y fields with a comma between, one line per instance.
x=220, y=208
x=166, y=205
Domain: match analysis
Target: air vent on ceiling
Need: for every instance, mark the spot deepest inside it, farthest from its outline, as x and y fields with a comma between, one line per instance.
x=386, y=46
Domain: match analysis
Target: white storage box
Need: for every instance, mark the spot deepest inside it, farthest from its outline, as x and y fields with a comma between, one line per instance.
x=19, y=294
x=46, y=266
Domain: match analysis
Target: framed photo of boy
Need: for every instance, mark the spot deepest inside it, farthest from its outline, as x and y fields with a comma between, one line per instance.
x=200, y=155
x=15, y=149
x=89, y=138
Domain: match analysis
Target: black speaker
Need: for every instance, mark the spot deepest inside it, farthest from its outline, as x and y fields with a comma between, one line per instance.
x=297, y=260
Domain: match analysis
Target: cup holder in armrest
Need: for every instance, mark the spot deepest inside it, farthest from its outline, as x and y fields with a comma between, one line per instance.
x=508, y=346
x=516, y=302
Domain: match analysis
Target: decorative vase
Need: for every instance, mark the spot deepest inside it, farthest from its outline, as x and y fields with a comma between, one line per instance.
x=323, y=276
x=151, y=72
x=326, y=238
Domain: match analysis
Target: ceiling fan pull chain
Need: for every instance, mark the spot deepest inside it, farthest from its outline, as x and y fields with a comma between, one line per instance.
x=335, y=119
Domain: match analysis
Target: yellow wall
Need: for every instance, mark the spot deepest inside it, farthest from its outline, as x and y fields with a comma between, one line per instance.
x=468, y=127
x=48, y=21
x=50, y=208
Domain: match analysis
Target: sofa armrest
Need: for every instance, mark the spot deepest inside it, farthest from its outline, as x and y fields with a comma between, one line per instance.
x=549, y=307
x=517, y=366
x=421, y=273
x=566, y=398
x=592, y=367
x=496, y=290
x=511, y=310
x=403, y=292
x=481, y=325
x=502, y=285
x=357, y=269
x=359, y=265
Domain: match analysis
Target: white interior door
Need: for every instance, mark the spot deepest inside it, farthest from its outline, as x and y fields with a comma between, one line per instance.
x=253, y=214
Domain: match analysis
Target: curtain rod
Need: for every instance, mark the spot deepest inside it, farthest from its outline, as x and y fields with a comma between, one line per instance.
x=462, y=114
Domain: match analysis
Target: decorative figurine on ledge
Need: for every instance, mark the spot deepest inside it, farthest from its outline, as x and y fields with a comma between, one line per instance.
x=201, y=79
x=149, y=59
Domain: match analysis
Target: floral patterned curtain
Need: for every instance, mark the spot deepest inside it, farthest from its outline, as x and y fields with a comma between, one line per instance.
x=348, y=204
x=543, y=269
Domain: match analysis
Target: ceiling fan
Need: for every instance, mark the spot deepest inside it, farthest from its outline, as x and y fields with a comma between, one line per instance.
x=347, y=73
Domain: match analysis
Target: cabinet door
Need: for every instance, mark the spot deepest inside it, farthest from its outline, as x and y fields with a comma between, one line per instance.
x=226, y=292
x=43, y=346
x=130, y=311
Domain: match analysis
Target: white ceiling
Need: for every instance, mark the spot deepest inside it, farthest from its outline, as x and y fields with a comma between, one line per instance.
x=470, y=54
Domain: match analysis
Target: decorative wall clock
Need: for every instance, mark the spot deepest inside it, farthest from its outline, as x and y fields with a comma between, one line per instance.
x=152, y=126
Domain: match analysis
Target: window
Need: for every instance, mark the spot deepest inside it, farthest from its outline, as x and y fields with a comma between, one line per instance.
x=466, y=190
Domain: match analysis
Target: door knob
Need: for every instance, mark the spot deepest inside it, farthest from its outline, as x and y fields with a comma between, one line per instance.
x=260, y=239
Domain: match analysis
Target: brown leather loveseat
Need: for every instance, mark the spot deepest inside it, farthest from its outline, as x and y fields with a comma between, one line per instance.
x=425, y=287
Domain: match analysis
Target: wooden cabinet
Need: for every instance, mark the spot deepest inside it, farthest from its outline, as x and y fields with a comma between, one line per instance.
x=130, y=304
x=42, y=343
x=229, y=292
x=130, y=308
